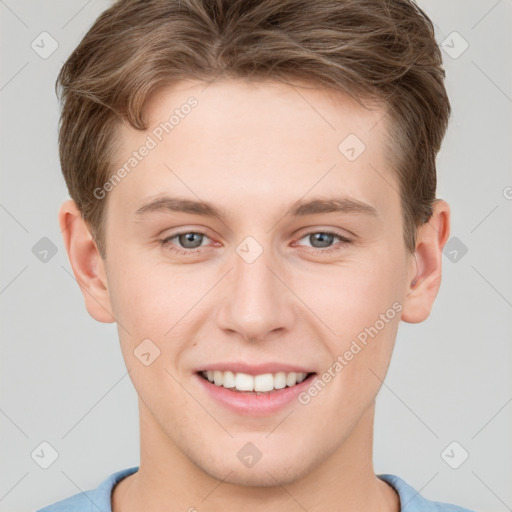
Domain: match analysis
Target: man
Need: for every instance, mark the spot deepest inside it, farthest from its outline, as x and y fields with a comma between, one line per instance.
x=253, y=203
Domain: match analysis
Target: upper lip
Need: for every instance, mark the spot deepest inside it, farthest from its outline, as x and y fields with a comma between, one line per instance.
x=254, y=369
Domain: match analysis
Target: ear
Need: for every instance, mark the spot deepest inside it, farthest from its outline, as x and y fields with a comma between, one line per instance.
x=86, y=262
x=425, y=277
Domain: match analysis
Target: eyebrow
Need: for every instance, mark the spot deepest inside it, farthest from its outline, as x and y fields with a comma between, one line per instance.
x=300, y=208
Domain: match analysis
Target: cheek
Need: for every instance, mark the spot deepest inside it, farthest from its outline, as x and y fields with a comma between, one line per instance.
x=148, y=296
x=361, y=305
x=352, y=296
x=359, y=359
x=158, y=310
x=152, y=329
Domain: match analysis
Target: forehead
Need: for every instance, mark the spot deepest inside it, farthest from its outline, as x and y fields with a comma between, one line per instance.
x=239, y=142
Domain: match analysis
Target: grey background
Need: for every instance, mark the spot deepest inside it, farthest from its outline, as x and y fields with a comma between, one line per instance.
x=63, y=377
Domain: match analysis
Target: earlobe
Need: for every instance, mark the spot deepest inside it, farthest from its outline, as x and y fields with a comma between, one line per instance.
x=86, y=262
x=425, y=282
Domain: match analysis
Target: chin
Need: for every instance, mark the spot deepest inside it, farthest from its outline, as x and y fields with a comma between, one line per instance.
x=268, y=471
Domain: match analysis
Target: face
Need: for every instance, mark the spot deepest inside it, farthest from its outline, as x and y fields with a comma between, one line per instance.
x=296, y=264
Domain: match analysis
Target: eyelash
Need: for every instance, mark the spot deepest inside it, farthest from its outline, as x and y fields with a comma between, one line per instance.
x=337, y=247
x=343, y=242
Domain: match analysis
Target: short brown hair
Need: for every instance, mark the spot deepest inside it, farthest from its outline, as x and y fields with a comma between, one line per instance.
x=376, y=50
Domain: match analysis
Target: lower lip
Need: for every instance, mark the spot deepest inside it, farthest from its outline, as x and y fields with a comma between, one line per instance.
x=252, y=404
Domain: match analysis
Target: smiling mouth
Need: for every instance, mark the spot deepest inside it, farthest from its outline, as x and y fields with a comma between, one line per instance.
x=266, y=383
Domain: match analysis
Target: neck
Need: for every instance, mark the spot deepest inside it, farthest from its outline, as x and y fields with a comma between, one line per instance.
x=167, y=480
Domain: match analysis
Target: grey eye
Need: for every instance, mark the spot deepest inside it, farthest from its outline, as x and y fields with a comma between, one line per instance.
x=324, y=239
x=190, y=240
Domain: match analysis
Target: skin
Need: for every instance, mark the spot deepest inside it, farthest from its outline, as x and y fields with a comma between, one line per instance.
x=254, y=150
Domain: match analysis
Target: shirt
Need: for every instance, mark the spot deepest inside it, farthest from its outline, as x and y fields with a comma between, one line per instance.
x=99, y=499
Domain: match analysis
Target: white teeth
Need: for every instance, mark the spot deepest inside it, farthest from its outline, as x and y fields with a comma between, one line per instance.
x=258, y=383
x=280, y=380
x=264, y=382
x=229, y=380
x=291, y=379
x=244, y=382
x=217, y=378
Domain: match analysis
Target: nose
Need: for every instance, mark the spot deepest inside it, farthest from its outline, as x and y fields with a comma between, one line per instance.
x=256, y=301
